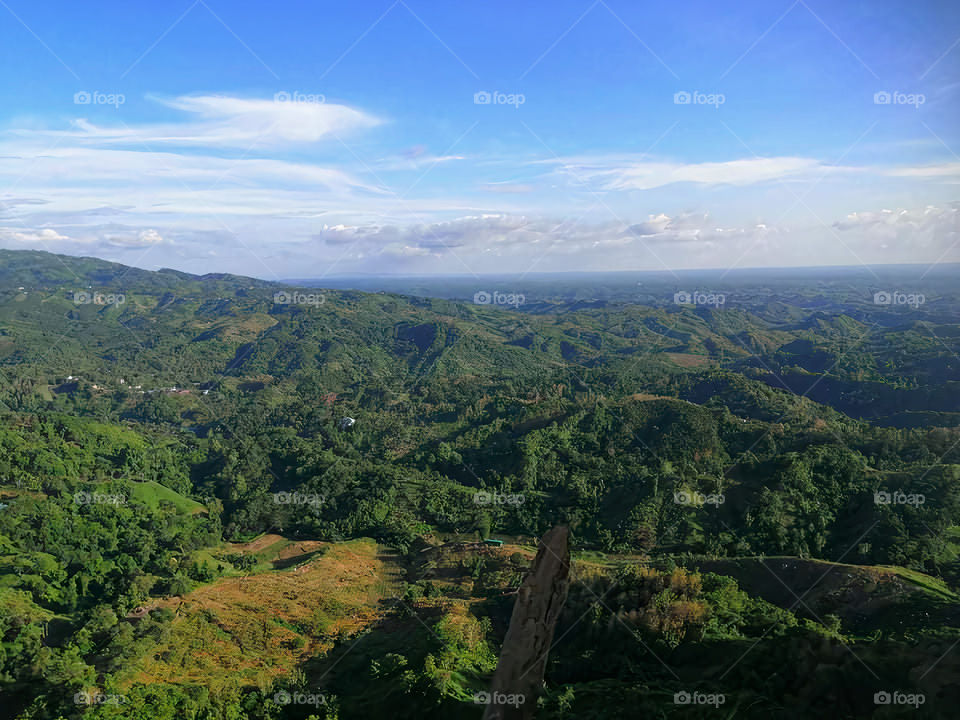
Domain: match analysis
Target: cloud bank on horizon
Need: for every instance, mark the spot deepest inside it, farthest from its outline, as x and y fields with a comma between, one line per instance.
x=425, y=138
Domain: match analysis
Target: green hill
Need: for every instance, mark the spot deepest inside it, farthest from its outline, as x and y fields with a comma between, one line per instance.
x=680, y=445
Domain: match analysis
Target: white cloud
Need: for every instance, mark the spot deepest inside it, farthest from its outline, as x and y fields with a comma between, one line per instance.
x=135, y=239
x=940, y=170
x=927, y=232
x=80, y=166
x=31, y=236
x=120, y=190
x=496, y=243
x=654, y=225
x=930, y=216
x=516, y=235
x=624, y=173
x=415, y=158
x=223, y=121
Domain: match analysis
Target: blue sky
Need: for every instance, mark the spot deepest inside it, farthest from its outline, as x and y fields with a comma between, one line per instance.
x=315, y=138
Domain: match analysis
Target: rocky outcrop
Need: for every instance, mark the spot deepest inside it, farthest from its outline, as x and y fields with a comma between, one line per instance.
x=519, y=674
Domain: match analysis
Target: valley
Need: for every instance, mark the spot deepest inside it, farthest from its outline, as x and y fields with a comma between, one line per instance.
x=742, y=486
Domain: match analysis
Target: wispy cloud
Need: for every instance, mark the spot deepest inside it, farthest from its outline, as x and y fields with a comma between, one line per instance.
x=80, y=166
x=936, y=170
x=624, y=173
x=276, y=176
x=223, y=121
x=415, y=158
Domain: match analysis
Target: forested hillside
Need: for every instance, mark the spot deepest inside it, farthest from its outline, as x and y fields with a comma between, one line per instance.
x=190, y=529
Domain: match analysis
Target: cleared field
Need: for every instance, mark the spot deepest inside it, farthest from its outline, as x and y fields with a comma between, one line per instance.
x=152, y=493
x=688, y=359
x=247, y=630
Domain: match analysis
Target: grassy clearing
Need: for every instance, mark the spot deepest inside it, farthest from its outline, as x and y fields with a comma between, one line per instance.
x=688, y=360
x=151, y=493
x=271, y=551
x=925, y=582
x=245, y=631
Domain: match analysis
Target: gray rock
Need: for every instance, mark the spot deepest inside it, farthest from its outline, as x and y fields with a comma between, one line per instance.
x=523, y=657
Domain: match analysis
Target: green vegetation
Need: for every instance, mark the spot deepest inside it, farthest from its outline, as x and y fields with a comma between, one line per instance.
x=187, y=529
x=153, y=494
